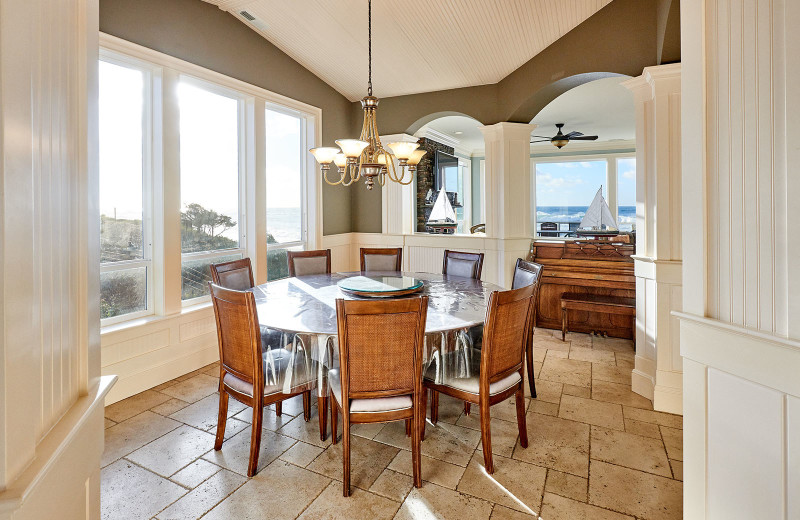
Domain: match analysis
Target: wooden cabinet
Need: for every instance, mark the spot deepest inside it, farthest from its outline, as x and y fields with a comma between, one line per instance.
x=584, y=267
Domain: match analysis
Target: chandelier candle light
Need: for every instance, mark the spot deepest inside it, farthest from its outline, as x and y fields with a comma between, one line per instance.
x=366, y=156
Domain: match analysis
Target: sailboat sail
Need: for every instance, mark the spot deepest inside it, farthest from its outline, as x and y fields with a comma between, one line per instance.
x=442, y=209
x=598, y=214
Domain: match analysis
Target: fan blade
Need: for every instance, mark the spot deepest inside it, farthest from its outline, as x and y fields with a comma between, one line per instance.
x=584, y=138
x=541, y=141
x=542, y=136
x=574, y=134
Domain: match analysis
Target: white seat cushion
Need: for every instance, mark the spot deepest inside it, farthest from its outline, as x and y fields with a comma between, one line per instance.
x=472, y=385
x=380, y=404
x=276, y=363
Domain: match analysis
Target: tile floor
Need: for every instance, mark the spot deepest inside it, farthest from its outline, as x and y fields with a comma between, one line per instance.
x=597, y=451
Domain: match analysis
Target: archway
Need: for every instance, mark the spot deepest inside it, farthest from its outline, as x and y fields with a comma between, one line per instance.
x=434, y=116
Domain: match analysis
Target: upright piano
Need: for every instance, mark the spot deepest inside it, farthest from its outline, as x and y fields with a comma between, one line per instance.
x=584, y=267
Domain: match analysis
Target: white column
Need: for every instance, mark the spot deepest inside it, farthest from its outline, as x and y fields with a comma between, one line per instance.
x=658, y=370
x=507, y=195
x=399, y=201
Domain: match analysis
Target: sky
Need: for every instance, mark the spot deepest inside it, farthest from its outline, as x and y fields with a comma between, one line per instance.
x=575, y=183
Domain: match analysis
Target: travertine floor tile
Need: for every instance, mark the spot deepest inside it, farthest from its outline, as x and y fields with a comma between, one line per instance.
x=108, y=423
x=660, y=418
x=556, y=443
x=566, y=485
x=301, y=454
x=645, y=495
x=608, y=415
x=673, y=440
x=613, y=344
x=449, y=409
x=447, y=442
x=168, y=454
x=169, y=407
x=611, y=373
x=437, y=471
x=620, y=394
x=269, y=421
x=551, y=343
x=579, y=391
x=195, y=473
x=556, y=354
x=642, y=428
x=543, y=407
x=514, y=484
x=208, y=494
x=504, y=433
x=591, y=355
x=548, y=391
x=203, y=414
x=128, y=436
x=677, y=469
x=235, y=452
x=279, y=491
x=134, y=405
x=367, y=460
x=503, y=513
x=567, y=371
x=576, y=339
x=307, y=432
x=360, y=505
x=130, y=492
x=392, y=485
x=194, y=388
x=629, y=450
x=435, y=502
x=555, y=507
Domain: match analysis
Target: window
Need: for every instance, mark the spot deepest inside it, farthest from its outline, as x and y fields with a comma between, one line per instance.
x=626, y=193
x=285, y=148
x=210, y=183
x=125, y=249
x=564, y=191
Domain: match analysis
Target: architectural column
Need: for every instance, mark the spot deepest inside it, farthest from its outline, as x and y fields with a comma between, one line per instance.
x=398, y=200
x=658, y=368
x=508, y=194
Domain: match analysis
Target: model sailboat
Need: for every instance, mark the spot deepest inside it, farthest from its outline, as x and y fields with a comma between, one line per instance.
x=443, y=218
x=598, y=220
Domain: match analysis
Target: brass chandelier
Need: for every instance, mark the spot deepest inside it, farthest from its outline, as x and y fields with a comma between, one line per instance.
x=365, y=156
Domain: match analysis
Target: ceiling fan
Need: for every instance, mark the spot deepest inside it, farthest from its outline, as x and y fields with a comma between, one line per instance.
x=560, y=140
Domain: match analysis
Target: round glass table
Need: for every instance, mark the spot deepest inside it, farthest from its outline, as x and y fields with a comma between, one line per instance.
x=298, y=317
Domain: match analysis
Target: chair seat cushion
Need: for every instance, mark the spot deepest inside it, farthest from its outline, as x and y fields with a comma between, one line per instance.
x=380, y=404
x=471, y=384
x=276, y=365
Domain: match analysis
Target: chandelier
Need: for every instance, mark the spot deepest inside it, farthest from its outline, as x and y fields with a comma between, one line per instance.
x=365, y=156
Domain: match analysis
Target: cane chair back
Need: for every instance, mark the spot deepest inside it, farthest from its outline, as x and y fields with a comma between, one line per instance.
x=506, y=333
x=236, y=275
x=238, y=334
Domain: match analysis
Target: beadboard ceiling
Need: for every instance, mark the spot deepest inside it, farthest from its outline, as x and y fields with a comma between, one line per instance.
x=417, y=45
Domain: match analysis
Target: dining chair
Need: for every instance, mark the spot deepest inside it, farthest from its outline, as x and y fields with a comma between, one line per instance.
x=465, y=265
x=380, y=374
x=302, y=263
x=238, y=276
x=499, y=370
x=381, y=259
x=243, y=370
x=529, y=273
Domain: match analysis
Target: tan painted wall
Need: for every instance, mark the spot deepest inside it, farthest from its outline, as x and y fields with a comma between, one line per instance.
x=201, y=33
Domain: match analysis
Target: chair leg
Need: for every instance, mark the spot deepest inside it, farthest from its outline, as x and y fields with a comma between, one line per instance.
x=346, y=454
x=221, y=419
x=279, y=408
x=523, y=429
x=255, y=438
x=467, y=408
x=408, y=427
x=334, y=420
x=530, y=368
x=486, y=436
x=322, y=408
x=416, y=448
x=434, y=406
x=307, y=405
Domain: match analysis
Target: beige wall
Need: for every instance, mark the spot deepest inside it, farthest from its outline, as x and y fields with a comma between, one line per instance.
x=201, y=33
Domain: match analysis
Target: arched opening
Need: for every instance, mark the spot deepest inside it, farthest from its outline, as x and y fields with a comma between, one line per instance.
x=437, y=116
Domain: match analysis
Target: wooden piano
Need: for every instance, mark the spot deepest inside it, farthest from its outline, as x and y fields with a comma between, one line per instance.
x=584, y=267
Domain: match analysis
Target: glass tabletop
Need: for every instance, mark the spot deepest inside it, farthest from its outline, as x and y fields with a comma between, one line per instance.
x=380, y=283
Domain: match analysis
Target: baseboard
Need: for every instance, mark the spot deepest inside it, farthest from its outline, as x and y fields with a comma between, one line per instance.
x=642, y=384
x=668, y=399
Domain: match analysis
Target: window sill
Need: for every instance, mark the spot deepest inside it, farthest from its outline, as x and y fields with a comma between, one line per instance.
x=147, y=320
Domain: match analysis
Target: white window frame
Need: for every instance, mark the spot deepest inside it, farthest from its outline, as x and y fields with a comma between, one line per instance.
x=164, y=296
x=150, y=77
x=241, y=117
x=611, y=178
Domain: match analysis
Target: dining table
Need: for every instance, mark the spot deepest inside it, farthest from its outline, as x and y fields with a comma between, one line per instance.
x=297, y=315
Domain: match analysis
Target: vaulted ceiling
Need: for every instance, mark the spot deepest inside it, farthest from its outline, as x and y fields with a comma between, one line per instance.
x=417, y=45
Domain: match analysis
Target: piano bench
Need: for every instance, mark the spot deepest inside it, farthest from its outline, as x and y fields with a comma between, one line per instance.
x=595, y=303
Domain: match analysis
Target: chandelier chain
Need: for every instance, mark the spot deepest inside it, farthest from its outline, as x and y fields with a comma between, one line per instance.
x=369, y=16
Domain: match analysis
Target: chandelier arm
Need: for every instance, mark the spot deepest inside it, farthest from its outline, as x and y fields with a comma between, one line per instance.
x=325, y=176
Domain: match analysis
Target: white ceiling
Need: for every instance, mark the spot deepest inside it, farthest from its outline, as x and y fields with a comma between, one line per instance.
x=417, y=45
x=603, y=108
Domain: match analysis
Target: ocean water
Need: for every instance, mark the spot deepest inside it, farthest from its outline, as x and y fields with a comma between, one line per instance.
x=285, y=224
x=567, y=214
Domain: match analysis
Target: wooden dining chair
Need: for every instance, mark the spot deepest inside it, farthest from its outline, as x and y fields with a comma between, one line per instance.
x=500, y=372
x=238, y=276
x=380, y=374
x=381, y=259
x=529, y=273
x=465, y=265
x=242, y=371
x=303, y=263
